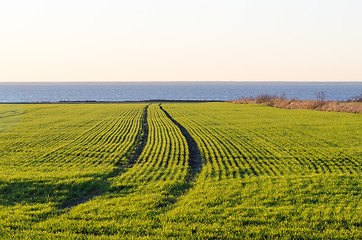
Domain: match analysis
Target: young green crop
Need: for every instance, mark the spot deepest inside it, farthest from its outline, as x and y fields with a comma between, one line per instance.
x=271, y=173
x=255, y=140
x=57, y=155
x=137, y=197
x=267, y=173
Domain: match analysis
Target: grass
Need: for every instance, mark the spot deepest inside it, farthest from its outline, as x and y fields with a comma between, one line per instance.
x=272, y=173
x=83, y=172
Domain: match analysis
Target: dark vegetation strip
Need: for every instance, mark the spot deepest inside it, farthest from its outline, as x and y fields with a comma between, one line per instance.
x=131, y=155
x=95, y=101
x=195, y=162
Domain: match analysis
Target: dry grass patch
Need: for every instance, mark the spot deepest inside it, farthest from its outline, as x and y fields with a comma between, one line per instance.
x=282, y=102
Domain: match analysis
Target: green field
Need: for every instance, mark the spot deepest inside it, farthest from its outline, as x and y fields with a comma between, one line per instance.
x=179, y=170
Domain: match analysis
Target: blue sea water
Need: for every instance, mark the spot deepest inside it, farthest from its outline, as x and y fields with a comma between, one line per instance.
x=221, y=91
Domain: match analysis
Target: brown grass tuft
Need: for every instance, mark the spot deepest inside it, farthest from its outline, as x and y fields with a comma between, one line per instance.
x=322, y=105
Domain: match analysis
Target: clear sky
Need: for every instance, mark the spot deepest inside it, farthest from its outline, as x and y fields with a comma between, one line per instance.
x=186, y=40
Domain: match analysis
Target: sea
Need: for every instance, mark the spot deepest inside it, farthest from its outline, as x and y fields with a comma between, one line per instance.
x=188, y=91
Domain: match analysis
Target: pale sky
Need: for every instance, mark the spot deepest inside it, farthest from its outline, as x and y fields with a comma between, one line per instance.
x=185, y=40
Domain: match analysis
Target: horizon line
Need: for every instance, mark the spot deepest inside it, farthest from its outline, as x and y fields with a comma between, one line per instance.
x=187, y=81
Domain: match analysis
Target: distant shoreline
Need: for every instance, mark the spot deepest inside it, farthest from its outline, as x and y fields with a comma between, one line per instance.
x=188, y=83
x=96, y=102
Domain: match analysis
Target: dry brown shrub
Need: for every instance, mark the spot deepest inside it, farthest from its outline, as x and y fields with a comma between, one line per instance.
x=281, y=102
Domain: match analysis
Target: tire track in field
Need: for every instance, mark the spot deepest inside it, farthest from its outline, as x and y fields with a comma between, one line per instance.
x=131, y=155
x=195, y=162
x=140, y=142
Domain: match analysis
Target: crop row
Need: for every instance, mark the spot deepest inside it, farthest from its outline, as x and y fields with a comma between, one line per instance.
x=141, y=194
x=267, y=173
x=236, y=146
x=165, y=155
x=270, y=174
x=61, y=136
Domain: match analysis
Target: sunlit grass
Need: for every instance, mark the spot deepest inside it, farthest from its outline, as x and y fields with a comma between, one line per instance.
x=267, y=173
